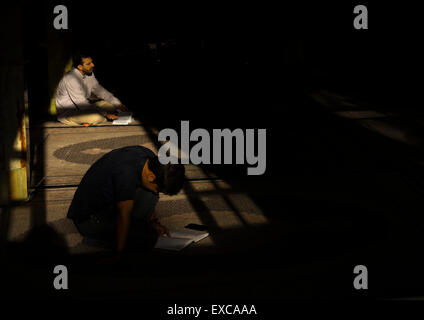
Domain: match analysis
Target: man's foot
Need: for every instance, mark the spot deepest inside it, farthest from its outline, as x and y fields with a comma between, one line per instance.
x=111, y=116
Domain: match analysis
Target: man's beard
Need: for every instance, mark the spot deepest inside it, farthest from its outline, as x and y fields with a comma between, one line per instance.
x=88, y=73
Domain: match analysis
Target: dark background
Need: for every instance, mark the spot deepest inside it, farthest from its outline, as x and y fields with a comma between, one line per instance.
x=236, y=66
x=254, y=66
x=219, y=53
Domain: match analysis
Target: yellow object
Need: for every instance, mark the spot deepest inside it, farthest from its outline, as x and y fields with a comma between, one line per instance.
x=18, y=184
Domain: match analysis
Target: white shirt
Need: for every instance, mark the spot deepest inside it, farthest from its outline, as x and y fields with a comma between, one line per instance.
x=74, y=90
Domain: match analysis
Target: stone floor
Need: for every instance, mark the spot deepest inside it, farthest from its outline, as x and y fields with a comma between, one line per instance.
x=297, y=237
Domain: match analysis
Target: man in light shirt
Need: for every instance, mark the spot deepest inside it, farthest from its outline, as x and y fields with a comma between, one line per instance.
x=81, y=100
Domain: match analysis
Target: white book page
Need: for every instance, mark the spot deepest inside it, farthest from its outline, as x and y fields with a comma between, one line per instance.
x=124, y=118
x=174, y=244
x=189, y=234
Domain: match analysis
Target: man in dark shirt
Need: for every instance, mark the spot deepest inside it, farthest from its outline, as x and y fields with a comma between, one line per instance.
x=114, y=203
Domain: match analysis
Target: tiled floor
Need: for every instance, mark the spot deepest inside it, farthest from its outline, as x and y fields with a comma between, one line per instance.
x=299, y=236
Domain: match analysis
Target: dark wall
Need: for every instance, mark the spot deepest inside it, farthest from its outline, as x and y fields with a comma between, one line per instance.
x=222, y=55
x=35, y=26
x=278, y=43
x=11, y=94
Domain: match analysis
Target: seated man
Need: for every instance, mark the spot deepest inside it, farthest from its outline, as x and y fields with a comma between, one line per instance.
x=74, y=96
x=114, y=203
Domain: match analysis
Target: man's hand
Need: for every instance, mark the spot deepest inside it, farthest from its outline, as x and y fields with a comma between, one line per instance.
x=122, y=108
x=160, y=229
x=111, y=116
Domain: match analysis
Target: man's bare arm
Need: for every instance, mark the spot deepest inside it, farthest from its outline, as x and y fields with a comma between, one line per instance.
x=123, y=223
x=154, y=218
x=160, y=229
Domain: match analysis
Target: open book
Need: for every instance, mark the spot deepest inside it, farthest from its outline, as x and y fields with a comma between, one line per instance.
x=179, y=239
x=124, y=118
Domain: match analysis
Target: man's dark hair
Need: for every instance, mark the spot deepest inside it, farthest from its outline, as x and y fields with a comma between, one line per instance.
x=77, y=58
x=169, y=177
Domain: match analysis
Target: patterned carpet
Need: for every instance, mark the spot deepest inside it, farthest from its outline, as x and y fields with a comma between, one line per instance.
x=88, y=152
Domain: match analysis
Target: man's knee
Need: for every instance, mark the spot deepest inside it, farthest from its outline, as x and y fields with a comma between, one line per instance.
x=105, y=106
x=144, y=204
x=93, y=119
x=86, y=117
x=97, y=119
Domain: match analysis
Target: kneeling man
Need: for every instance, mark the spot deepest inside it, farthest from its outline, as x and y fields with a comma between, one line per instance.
x=115, y=201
